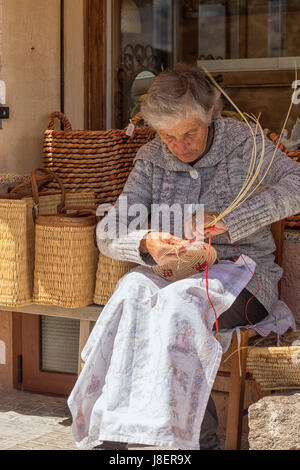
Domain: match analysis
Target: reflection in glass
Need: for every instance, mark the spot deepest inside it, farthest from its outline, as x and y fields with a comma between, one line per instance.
x=158, y=33
x=139, y=90
x=148, y=23
x=130, y=17
x=189, y=30
x=243, y=29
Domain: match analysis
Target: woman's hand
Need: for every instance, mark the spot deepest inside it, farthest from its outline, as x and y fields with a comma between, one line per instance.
x=163, y=247
x=202, y=232
x=220, y=226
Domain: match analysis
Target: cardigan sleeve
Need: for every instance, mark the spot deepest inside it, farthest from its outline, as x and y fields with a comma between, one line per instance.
x=120, y=232
x=279, y=199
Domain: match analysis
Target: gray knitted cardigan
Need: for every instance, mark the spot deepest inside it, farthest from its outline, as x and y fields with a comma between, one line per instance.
x=215, y=180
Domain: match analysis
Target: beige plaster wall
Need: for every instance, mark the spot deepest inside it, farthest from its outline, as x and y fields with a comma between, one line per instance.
x=30, y=69
x=74, y=62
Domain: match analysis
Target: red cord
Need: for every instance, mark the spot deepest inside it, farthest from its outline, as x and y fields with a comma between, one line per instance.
x=216, y=317
x=254, y=384
x=250, y=323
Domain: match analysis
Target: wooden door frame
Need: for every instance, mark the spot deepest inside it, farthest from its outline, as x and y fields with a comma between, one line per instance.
x=95, y=63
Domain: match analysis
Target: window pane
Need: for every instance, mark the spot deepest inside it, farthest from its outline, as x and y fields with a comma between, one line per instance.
x=233, y=29
x=147, y=23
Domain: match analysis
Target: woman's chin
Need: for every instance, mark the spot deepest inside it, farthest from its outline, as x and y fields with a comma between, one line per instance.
x=187, y=157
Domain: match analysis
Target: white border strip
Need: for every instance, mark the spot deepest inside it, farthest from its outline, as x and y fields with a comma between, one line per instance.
x=239, y=65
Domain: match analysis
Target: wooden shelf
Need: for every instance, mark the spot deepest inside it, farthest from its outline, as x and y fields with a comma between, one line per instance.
x=90, y=313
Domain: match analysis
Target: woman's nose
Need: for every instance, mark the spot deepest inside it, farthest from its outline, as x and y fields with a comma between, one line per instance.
x=180, y=146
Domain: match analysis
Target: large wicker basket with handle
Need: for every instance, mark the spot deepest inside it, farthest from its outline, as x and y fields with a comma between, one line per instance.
x=50, y=201
x=93, y=160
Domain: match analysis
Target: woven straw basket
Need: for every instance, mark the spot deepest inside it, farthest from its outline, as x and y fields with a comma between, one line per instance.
x=192, y=262
x=109, y=272
x=16, y=247
x=276, y=367
x=51, y=202
x=17, y=234
x=65, y=259
x=93, y=160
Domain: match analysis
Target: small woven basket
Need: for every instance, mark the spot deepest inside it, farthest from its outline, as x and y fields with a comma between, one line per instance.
x=109, y=272
x=276, y=367
x=192, y=262
x=65, y=259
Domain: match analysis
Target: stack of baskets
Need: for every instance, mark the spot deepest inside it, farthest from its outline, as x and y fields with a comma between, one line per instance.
x=101, y=161
x=18, y=210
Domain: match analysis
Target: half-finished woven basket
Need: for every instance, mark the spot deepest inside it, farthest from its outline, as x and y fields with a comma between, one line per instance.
x=276, y=367
x=192, y=262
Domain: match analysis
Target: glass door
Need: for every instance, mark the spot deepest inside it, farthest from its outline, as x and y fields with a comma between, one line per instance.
x=233, y=35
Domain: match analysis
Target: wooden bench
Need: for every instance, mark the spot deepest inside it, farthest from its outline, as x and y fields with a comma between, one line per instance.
x=87, y=317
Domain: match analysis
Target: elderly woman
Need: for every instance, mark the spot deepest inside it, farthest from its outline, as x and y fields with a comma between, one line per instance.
x=153, y=355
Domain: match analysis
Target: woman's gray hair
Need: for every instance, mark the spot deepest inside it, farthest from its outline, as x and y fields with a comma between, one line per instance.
x=179, y=93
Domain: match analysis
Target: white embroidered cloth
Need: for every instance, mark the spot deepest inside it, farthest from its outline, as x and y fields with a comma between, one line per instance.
x=152, y=358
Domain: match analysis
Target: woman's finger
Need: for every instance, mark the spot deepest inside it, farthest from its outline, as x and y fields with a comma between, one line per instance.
x=165, y=259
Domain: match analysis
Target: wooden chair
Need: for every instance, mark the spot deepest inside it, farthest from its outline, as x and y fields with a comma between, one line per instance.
x=233, y=381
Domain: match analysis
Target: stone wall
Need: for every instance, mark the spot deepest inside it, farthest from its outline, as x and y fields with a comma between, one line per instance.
x=274, y=423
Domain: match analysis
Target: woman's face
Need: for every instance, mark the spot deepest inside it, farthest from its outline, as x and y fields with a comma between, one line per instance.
x=186, y=140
